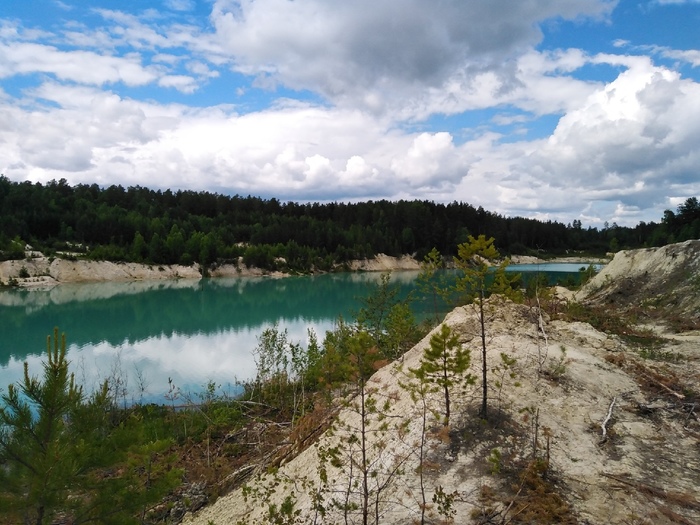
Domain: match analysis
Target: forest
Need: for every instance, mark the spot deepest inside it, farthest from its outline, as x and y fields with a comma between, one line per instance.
x=165, y=227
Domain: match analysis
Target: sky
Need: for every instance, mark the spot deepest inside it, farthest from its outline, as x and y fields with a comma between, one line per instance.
x=559, y=110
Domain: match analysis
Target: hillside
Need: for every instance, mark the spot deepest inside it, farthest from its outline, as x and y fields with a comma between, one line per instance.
x=584, y=426
x=656, y=284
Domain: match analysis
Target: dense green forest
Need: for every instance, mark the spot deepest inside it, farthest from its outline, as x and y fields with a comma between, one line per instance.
x=164, y=227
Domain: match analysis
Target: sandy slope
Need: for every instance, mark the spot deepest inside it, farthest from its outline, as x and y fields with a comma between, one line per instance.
x=650, y=442
x=646, y=471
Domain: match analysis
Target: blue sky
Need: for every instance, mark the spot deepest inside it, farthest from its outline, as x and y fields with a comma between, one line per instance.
x=555, y=109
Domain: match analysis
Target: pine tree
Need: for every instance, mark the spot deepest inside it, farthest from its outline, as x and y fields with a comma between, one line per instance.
x=36, y=445
x=482, y=276
x=60, y=451
x=444, y=364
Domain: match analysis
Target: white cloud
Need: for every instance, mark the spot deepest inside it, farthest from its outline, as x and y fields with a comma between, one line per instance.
x=677, y=2
x=628, y=144
x=382, y=55
x=180, y=5
x=85, y=67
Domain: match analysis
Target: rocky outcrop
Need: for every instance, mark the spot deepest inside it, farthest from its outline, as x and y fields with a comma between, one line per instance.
x=385, y=263
x=43, y=271
x=39, y=271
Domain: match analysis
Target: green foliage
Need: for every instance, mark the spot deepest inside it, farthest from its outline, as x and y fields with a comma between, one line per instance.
x=60, y=452
x=535, y=286
x=388, y=320
x=682, y=225
x=285, y=514
x=444, y=364
x=502, y=373
x=376, y=305
x=607, y=320
x=495, y=459
x=586, y=274
x=33, y=448
x=220, y=228
x=444, y=502
x=432, y=284
x=286, y=372
x=483, y=276
x=334, y=368
x=481, y=272
x=557, y=368
x=12, y=249
x=362, y=457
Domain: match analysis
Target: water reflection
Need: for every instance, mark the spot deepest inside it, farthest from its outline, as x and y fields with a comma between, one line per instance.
x=188, y=331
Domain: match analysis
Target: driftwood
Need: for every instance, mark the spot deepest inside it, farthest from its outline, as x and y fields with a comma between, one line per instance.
x=605, y=422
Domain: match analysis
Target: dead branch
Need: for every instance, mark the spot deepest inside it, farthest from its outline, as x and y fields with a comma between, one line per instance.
x=691, y=412
x=659, y=383
x=677, y=498
x=238, y=475
x=540, y=325
x=605, y=422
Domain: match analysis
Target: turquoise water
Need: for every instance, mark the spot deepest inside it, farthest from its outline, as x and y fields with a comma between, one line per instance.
x=552, y=267
x=189, y=332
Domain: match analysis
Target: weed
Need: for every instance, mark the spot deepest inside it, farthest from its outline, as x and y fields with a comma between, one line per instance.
x=610, y=321
x=656, y=354
x=494, y=460
x=557, y=367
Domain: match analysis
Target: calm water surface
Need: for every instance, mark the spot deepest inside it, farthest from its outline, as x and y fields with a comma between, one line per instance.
x=187, y=331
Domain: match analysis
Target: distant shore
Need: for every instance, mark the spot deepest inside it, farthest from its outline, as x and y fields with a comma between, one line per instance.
x=40, y=272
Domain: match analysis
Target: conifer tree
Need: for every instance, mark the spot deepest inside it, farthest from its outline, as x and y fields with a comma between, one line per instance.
x=430, y=283
x=482, y=276
x=60, y=450
x=36, y=446
x=444, y=364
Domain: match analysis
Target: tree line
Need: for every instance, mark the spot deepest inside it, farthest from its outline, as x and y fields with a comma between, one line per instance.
x=166, y=227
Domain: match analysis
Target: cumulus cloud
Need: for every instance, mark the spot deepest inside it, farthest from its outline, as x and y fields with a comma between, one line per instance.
x=629, y=144
x=379, y=55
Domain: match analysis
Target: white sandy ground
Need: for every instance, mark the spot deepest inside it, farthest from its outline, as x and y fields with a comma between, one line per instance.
x=653, y=448
x=45, y=272
x=653, y=442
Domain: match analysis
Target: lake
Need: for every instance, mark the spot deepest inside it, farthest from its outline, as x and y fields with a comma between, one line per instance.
x=189, y=332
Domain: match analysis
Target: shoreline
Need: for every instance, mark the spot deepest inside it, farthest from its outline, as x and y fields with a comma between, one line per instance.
x=44, y=272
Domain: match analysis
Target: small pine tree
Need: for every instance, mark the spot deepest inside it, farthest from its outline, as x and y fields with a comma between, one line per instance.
x=428, y=282
x=36, y=446
x=445, y=363
x=59, y=451
x=480, y=279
